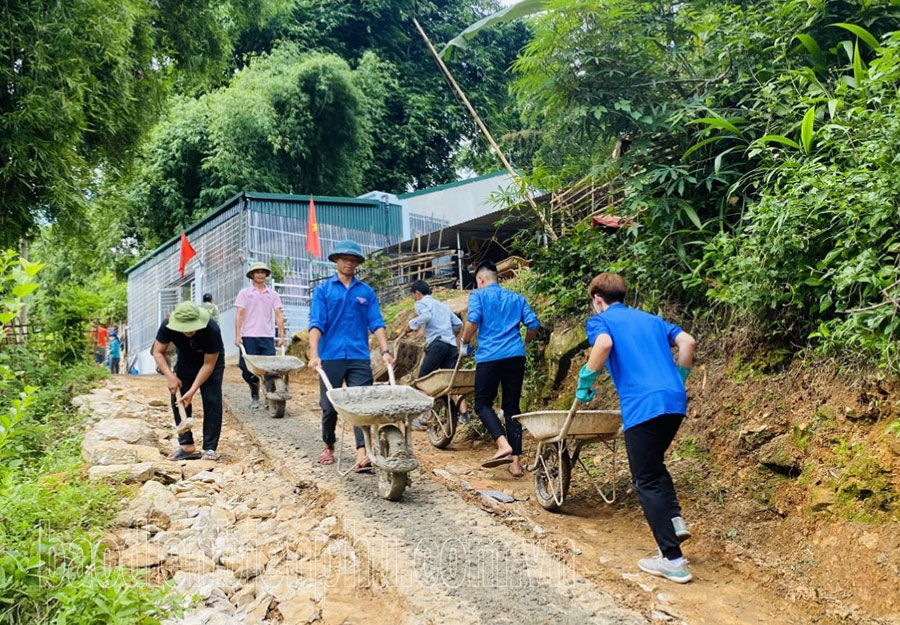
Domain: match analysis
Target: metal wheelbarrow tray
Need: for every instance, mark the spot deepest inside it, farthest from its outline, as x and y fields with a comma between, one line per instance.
x=438, y=382
x=443, y=385
x=380, y=411
x=560, y=436
x=274, y=370
x=378, y=405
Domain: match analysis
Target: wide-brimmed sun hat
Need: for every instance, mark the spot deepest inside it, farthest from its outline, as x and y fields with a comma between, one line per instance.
x=347, y=247
x=188, y=317
x=258, y=265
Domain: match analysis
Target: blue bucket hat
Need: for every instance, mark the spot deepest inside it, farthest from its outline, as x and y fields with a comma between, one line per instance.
x=347, y=247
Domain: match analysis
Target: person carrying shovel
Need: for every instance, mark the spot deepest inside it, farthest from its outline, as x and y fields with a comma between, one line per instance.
x=200, y=367
x=344, y=311
x=636, y=347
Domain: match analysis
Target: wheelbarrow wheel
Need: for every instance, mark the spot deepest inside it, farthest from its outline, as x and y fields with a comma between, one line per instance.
x=276, y=406
x=552, y=477
x=442, y=424
x=391, y=444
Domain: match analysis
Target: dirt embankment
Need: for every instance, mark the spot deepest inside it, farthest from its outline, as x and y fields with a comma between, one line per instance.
x=789, y=472
x=792, y=478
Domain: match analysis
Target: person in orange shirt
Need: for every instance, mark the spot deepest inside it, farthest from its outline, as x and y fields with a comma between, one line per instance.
x=100, y=338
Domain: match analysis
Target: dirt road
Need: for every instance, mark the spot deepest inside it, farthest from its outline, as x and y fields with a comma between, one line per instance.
x=455, y=558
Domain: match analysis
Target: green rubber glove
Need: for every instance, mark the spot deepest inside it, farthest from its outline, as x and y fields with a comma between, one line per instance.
x=586, y=379
x=684, y=372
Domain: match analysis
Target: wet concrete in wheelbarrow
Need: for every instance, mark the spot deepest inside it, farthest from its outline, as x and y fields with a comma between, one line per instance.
x=450, y=561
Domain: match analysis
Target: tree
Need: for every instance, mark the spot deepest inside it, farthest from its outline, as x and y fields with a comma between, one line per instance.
x=289, y=122
x=420, y=125
x=84, y=80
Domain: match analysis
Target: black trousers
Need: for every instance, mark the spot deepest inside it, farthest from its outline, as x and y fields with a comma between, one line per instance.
x=507, y=374
x=438, y=355
x=646, y=445
x=211, y=394
x=255, y=346
x=354, y=373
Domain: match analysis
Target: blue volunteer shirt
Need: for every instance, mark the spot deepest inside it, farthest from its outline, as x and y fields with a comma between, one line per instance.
x=640, y=364
x=344, y=316
x=498, y=313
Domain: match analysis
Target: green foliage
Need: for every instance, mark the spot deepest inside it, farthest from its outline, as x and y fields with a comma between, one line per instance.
x=760, y=165
x=281, y=270
x=288, y=122
x=51, y=567
x=418, y=123
x=83, y=81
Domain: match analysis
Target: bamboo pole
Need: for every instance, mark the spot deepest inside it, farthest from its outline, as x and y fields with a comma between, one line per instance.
x=548, y=230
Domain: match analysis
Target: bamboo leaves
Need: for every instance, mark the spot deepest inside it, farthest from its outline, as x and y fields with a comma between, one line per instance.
x=806, y=129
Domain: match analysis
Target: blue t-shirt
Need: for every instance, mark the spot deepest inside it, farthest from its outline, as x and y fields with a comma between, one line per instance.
x=344, y=316
x=640, y=364
x=115, y=348
x=498, y=313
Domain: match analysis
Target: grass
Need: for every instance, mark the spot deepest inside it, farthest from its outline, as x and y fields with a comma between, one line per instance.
x=52, y=519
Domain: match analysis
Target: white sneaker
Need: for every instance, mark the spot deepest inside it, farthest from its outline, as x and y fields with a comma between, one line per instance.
x=682, y=533
x=678, y=573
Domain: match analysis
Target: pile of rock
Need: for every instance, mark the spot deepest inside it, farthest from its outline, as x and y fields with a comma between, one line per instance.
x=238, y=541
x=126, y=437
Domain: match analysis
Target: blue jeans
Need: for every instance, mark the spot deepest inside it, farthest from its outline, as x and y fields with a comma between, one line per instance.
x=355, y=373
x=255, y=346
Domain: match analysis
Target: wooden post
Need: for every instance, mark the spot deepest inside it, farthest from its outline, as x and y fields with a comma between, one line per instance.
x=459, y=260
x=548, y=231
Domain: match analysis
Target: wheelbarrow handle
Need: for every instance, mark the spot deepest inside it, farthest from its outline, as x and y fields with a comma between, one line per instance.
x=568, y=422
x=328, y=385
x=325, y=379
x=390, y=369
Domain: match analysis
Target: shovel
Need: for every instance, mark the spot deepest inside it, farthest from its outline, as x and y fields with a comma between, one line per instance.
x=186, y=422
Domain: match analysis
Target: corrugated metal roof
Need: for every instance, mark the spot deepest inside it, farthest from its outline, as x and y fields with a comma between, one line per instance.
x=450, y=185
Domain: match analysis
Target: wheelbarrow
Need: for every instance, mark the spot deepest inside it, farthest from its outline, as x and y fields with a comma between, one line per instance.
x=443, y=385
x=274, y=370
x=560, y=436
x=385, y=414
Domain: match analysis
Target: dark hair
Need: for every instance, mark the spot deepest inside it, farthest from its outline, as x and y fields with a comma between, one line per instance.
x=207, y=297
x=420, y=286
x=610, y=286
x=486, y=265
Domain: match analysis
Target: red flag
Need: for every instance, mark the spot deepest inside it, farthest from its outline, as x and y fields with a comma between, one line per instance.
x=187, y=253
x=312, y=231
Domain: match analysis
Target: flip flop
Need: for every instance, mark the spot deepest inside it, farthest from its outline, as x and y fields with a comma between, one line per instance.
x=516, y=475
x=181, y=454
x=364, y=467
x=497, y=462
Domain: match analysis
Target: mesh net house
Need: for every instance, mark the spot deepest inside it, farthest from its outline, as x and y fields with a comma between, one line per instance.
x=251, y=227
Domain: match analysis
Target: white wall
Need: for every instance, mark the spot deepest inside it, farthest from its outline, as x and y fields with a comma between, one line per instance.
x=459, y=203
x=147, y=366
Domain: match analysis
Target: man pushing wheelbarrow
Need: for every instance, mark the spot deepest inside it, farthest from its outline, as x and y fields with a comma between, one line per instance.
x=344, y=311
x=636, y=348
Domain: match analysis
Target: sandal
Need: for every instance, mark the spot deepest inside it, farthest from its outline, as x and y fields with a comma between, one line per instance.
x=521, y=472
x=363, y=467
x=326, y=457
x=497, y=462
x=181, y=454
x=210, y=454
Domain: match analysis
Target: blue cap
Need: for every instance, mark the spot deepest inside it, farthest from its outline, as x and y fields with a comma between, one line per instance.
x=348, y=247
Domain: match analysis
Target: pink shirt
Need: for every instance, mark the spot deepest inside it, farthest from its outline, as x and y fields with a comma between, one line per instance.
x=259, y=310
